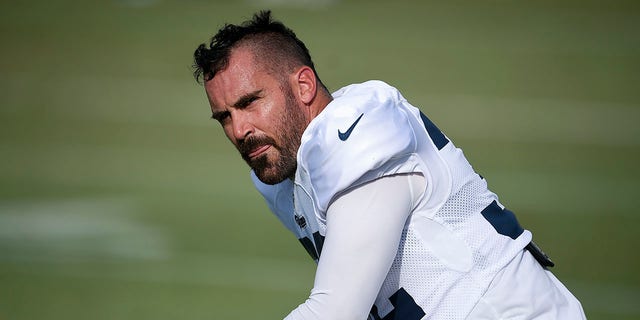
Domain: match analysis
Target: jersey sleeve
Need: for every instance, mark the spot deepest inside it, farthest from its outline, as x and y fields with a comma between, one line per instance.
x=364, y=228
x=360, y=136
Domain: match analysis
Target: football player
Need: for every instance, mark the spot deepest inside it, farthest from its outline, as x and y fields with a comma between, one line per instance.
x=400, y=224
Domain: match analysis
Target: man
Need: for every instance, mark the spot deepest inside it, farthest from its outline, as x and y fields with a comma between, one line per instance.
x=399, y=223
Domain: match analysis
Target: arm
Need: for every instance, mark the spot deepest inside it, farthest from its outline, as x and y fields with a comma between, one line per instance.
x=364, y=226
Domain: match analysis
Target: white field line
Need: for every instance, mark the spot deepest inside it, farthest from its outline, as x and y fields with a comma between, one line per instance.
x=80, y=231
x=77, y=228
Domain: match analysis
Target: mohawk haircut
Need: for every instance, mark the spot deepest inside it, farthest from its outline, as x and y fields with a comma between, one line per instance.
x=273, y=44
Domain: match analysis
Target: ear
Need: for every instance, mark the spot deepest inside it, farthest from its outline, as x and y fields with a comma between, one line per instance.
x=305, y=81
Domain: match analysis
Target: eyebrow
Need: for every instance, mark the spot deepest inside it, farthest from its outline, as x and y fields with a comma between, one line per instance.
x=242, y=102
x=218, y=115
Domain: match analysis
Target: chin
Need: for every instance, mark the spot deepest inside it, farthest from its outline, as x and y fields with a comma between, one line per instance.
x=273, y=171
x=270, y=179
x=273, y=174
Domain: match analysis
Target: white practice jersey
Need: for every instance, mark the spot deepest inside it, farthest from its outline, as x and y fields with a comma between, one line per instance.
x=457, y=237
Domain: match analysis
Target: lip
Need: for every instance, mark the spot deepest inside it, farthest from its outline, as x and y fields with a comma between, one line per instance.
x=259, y=150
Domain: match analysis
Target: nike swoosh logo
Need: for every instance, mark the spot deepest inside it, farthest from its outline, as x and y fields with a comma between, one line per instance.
x=345, y=135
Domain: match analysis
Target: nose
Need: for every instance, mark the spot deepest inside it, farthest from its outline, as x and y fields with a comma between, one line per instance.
x=241, y=126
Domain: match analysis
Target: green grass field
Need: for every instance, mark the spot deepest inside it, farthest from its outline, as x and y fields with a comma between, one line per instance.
x=121, y=199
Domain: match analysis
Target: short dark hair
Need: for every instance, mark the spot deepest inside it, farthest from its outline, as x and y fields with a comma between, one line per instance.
x=279, y=47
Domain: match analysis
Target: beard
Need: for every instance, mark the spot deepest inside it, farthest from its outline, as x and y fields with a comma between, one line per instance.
x=274, y=167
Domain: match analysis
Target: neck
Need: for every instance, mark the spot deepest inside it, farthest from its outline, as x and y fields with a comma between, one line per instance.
x=320, y=102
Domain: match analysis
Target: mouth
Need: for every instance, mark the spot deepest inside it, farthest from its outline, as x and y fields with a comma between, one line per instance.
x=258, y=151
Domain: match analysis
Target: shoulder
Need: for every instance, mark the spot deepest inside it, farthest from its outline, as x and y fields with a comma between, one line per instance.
x=373, y=91
x=361, y=108
x=364, y=128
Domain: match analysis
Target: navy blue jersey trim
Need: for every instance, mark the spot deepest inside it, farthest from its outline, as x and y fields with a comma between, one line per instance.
x=313, y=247
x=404, y=308
x=503, y=220
x=438, y=138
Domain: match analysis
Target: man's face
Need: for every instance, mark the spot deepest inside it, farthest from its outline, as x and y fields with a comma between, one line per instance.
x=259, y=114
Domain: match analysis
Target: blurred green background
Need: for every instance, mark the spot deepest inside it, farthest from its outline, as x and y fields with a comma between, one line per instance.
x=121, y=199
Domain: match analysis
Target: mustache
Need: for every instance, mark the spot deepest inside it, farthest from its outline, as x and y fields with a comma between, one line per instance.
x=251, y=143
